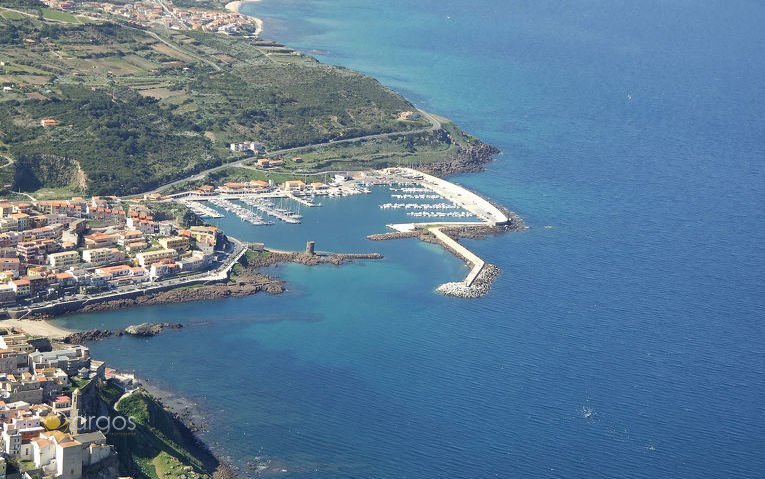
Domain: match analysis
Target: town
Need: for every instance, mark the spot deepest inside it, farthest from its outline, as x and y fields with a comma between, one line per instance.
x=81, y=249
x=43, y=433
x=164, y=14
x=51, y=250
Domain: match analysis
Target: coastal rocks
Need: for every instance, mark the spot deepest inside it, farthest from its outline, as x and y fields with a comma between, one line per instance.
x=479, y=288
x=41, y=344
x=481, y=231
x=272, y=258
x=468, y=159
x=85, y=336
x=143, y=329
x=150, y=329
x=336, y=259
x=395, y=235
x=246, y=284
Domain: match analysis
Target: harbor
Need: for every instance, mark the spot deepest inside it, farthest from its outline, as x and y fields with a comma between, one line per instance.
x=243, y=213
x=435, y=206
x=201, y=210
x=267, y=206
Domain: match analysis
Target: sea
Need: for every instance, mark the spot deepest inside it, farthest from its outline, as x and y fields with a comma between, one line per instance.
x=625, y=337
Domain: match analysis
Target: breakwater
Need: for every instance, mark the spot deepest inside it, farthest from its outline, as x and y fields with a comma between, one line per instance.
x=478, y=288
x=481, y=275
x=395, y=235
x=473, y=261
x=272, y=257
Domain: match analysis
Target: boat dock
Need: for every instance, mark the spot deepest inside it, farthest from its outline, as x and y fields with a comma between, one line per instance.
x=418, y=206
x=240, y=211
x=460, y=196
x=201, y=210
x=470, y=204
x=302, y=201
x=267, y=207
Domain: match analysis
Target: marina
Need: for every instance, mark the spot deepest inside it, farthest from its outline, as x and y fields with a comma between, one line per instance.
x=418, y=206
x=267, y=206
x=439, y=214
x=411, y=189
x=243, y=213
x=415, y=197
x=437, y=203
x=201, y=210
x=303, y=201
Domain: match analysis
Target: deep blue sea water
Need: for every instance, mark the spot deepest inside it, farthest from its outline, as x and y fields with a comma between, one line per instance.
x=625, y=340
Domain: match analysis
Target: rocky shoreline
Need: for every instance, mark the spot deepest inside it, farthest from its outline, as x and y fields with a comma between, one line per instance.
x=142, y=330
x=270, y=258
x=395, y=235
x=480, y=287
x=244, y=285
x=245, y=282
x=469, y=159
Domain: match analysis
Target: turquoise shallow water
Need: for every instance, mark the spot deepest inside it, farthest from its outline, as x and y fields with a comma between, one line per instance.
x=626, y=340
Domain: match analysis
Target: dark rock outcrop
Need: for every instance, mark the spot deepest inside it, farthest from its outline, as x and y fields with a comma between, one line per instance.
x=91, y=335
x=150, y=329
x=243, y=285
x=41, y=344
x=468, y=159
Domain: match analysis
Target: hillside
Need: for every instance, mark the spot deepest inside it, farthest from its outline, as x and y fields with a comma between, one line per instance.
x=137, y=108
x=160, y=446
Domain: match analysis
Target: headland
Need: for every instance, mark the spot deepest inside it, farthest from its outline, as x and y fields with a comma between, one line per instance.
x=88, y=419
x=245, y=128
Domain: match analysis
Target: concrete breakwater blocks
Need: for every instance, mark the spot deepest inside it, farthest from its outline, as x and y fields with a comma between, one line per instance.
x=480, y=287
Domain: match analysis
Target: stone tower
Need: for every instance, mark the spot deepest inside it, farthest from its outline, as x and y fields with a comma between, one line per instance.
x=74, y=415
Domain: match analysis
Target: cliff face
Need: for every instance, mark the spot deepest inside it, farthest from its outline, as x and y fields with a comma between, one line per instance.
x=468, y=159
x=106, y=469
x=35, y=171
x=92, y=404
x=160, y=438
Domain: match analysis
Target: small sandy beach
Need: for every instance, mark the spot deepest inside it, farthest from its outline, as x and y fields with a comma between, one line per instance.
x=237, y=6
x=36, y=327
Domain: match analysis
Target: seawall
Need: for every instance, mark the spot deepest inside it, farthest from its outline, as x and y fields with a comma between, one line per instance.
x=77, y=304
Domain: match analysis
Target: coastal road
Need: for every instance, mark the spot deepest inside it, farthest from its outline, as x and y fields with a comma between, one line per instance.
x=435, y=124
x=218, y=274
x=175, y=47
x=9, y=160
x=170, y=12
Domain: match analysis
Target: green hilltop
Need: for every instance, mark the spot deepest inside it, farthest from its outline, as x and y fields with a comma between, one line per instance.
x=137, y=108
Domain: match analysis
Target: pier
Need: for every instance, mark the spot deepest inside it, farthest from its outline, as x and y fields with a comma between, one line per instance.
x=240, y=211
x=459, y=196
x=267, y=207
x=459, y=250
x=201, y=210
x=302, y=201
x=481, y=274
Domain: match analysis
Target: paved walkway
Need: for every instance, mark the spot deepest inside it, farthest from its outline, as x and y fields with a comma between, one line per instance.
x=461, y=196
x=219, y=274
x=466, y=254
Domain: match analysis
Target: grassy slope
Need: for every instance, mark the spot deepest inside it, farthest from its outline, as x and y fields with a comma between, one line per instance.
x=137, y=111
x=160, y=447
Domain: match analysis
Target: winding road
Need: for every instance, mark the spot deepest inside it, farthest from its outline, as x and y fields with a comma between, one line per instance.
x=435, y=124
